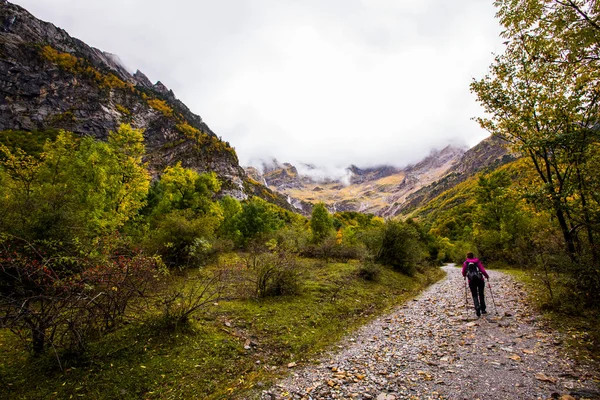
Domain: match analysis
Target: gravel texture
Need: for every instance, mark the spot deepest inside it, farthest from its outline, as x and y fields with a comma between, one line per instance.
x=434, y=347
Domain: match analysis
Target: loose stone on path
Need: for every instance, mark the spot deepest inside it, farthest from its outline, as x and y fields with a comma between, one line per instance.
x=435, y=348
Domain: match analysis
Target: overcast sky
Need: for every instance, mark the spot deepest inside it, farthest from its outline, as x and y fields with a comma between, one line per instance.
x=330, y=82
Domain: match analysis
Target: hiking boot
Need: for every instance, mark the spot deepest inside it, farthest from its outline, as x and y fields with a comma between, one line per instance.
x=483, y=312
x=478, y=312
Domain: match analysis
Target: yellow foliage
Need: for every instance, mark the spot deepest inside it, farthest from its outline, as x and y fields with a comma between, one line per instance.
x=112, y=81
x=161, y=106
x=76, y=65
x=123, y=109
x=64, y=60
x=188, y=130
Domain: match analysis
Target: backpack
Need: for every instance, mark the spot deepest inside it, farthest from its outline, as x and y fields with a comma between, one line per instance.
x=473, y=272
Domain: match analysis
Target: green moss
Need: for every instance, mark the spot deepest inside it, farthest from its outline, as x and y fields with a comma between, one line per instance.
x=63, y=119
x=172, y=144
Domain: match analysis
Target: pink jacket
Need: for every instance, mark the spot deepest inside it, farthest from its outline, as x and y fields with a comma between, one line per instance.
x=479, y=265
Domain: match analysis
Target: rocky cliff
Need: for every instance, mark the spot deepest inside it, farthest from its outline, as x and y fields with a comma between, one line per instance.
x=50, y=80
x=489, y=154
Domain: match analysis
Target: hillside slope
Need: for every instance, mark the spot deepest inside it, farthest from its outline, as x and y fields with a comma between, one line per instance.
x=49, y=80
x=489, y=154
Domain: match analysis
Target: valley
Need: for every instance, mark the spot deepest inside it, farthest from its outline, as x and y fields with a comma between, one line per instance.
x=385, y=191
x=140, y=259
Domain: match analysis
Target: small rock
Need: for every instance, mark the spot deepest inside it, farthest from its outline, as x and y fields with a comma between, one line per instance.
x=540, y=376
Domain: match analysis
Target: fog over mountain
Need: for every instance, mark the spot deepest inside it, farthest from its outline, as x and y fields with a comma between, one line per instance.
x=332, y=83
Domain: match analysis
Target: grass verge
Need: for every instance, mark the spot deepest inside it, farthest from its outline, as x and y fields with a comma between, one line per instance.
x=232, y=348
x=580, y=327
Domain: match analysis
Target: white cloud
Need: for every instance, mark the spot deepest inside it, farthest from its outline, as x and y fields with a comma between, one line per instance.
x=334, y=82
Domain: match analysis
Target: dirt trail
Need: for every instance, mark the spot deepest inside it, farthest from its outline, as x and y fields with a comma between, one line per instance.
x=433, y=348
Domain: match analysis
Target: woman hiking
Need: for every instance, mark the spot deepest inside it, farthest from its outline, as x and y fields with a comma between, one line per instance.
x=473, y=270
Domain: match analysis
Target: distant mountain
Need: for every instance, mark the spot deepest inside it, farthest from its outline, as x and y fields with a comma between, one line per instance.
x=50, y=80
x=368, y=190
x=488, y=155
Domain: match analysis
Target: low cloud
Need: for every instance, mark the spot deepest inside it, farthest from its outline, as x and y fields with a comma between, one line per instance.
x=329, y=83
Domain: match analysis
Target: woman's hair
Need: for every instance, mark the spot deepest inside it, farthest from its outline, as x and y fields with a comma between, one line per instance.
x=470, y=255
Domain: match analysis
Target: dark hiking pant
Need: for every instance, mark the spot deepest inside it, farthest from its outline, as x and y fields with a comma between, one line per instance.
x=477, y=287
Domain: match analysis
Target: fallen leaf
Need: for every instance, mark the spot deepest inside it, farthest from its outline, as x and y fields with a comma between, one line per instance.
x=515, y=357
x=291, y=365
x=545, y=378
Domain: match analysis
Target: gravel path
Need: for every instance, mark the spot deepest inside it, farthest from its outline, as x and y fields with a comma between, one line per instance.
x=433, y=348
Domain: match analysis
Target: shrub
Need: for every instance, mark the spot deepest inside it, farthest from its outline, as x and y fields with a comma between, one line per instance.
x=369, y=271
x=276, y=275
x=188, y=130
x=161, y=106
x=324, y=250
x=63, y=60
x=345, y=252
x=400, y=247
x=122, y=109
x=182, y=238
x=180, y=297
x=61, y=302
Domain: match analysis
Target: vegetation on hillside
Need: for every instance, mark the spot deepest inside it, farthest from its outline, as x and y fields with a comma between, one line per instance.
x=542, y=96
x=99, y=264
x=207, y=144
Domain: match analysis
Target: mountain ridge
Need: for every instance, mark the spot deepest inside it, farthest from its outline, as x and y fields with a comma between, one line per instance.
x=369, y=189
x=50, y=80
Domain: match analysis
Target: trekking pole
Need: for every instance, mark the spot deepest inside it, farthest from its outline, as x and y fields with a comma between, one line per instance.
x=492, y=293
x=466, y=297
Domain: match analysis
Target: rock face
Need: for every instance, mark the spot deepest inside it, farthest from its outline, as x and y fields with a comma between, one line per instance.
x=49, y=80
x=489, y=154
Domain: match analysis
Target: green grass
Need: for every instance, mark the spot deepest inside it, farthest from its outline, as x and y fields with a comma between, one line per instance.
x=207, y=359
x=580, y=327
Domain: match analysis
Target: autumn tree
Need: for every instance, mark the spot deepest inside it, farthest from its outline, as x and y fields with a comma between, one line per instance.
x=499, y=222
x=185, y=216
x=57, y=278
x=76, y=190
x=542, y=95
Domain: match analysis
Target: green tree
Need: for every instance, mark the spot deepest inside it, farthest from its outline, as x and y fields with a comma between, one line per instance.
x=400, y=247
x=257, y=218
x=321, y=223
x=542, y=96
x=76, y=190
x=500, y=224
x=59, y=212
x=185, y=217
x=183, y=188
x=231, y=209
